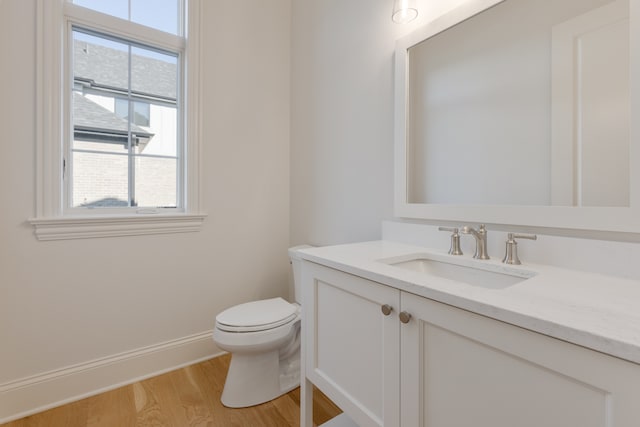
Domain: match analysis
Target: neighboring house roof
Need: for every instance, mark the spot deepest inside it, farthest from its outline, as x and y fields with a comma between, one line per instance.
x=89, y=116
x=108, y=67
x=105, y=70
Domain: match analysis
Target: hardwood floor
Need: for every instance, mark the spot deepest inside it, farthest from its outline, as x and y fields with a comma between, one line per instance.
x=181, y=398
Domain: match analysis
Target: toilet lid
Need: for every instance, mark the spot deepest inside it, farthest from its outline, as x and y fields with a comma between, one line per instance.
x=257, y=315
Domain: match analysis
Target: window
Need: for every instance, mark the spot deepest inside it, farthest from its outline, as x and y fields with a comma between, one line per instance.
x=116, y=84
x=117, y=146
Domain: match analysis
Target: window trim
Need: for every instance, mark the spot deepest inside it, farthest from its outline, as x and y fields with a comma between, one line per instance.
x=52, y=221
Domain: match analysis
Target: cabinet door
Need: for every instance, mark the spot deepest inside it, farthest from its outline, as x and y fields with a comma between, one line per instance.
x=351, y=348
x=460, y=369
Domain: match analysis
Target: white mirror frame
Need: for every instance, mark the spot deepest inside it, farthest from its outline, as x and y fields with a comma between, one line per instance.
x=626, y=220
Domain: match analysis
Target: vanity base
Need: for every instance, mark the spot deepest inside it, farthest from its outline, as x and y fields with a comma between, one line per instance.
x=341, y=420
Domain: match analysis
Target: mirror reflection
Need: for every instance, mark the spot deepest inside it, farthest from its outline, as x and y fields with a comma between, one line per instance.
x=526, y=103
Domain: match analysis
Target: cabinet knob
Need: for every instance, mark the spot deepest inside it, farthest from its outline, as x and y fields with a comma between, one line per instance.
x=405, y=317
x=386, y=309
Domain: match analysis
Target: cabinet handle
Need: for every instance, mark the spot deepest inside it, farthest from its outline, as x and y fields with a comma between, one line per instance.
x=386, y=309
x=405, y=317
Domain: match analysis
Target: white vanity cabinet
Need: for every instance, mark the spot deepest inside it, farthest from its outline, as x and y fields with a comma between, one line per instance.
x=461, y=369
x=448, y=367
x=351, y=350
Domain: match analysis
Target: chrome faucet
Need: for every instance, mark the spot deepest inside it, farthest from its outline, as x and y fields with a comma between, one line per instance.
x=511, y=250
x=481, y=240
x=455, y=240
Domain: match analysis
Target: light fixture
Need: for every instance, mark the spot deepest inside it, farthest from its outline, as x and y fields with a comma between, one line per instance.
x=404, y=11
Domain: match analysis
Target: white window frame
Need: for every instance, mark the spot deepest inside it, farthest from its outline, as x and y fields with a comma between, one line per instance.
x=53, y=220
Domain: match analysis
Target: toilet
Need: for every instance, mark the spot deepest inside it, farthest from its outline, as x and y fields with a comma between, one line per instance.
x=263, y=338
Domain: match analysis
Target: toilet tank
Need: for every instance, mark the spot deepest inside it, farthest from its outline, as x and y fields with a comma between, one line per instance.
x=296, y=263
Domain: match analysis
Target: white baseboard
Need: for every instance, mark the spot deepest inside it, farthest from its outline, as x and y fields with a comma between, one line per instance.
x=37, y=393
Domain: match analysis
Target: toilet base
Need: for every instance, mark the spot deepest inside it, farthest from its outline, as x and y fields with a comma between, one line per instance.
x=257, y=378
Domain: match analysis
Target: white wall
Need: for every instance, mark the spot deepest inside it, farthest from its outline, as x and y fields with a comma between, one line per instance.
x=342, y=116
x=342, y=119
x=66, y=303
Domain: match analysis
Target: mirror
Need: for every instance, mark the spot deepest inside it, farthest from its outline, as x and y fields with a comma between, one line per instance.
x=518, y=112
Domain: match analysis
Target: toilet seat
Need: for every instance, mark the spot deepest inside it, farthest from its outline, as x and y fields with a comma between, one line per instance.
x=257, y=316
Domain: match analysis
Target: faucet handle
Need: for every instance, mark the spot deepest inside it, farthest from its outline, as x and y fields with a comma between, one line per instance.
x=454, y=249
x=512, y=236
x=511, y=249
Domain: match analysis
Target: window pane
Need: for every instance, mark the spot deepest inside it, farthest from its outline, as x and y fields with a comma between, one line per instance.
x=100, y=62
x=124, y=102
x=96, y=127
x=156, y=182
x=162, y=136
x=100, y=180
x=117, y=8
x=163, y=15
x=154, y=73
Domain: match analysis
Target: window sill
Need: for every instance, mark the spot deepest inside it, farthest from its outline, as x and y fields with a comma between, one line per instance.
x=85, y=227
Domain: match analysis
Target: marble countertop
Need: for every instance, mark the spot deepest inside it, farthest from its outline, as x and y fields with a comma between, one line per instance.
x=595, y=311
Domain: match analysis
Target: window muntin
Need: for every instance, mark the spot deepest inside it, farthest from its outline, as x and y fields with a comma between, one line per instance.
x=163, y=15
x=110, y=153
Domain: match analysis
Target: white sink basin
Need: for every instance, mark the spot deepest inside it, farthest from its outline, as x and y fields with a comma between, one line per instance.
x=489, y=276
